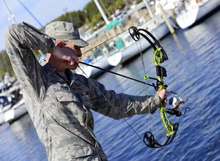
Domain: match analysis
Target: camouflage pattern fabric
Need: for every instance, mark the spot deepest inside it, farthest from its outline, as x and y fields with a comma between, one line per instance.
x=60, y=107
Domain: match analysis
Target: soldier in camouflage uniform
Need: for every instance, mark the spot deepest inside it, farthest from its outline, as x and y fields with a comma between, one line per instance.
x=60, y=102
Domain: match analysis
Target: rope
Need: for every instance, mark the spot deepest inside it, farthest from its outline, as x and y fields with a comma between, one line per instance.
x=30, y=13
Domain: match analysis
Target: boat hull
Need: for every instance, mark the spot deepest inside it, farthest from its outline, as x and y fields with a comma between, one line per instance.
x=13, y=113
x=141, y=45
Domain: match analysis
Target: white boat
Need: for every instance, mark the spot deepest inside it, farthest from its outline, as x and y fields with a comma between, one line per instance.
x=113, y=55
x=188, y=14
x=11, y=100
x=13, y=112
x=115, y=59
x=156, y=26
x=192, y=11
x=107, y=58
x=98, y=59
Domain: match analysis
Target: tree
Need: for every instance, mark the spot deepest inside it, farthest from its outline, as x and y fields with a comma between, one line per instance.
x=5, y=65
x=78, y=17
x=90, y=14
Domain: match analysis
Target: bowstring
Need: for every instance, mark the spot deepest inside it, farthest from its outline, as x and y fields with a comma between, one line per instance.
x=112, y=106
x=141, y=53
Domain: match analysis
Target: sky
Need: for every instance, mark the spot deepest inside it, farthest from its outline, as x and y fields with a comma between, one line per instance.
x=44, y=10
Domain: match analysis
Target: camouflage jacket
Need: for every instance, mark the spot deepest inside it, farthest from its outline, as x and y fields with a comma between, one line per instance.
x=61, y=108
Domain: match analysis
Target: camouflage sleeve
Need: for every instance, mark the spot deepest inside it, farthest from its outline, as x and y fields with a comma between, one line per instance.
x=21, y=41
x=121, y=105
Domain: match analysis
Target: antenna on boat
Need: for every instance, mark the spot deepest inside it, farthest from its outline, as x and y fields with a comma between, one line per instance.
x=149, y=8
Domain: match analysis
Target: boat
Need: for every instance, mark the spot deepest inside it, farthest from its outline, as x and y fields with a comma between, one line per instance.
x=156, y=26
x=11, y=101
x=192, y=11
x=187, y=14
x=97, y=59
x=115, y=58
x=115, y=50
x=122, y=47
x=11, y=113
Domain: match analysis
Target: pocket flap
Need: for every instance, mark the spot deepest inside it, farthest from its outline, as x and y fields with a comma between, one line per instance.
x=65, y=96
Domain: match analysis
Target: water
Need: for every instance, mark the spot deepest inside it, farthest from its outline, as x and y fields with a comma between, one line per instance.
x=193, y=71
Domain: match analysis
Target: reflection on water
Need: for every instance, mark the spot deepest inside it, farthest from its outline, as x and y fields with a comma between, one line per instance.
x=193, y=71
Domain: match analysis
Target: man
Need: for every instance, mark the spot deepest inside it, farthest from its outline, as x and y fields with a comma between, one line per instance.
x=60, y=102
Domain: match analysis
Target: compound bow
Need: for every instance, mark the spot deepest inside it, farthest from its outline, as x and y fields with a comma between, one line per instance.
x=159, y=56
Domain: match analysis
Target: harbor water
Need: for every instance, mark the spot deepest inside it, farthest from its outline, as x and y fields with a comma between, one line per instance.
x=193, y=72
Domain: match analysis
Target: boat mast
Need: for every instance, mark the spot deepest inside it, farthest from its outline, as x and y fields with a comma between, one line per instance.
x=11, y=16
x=101, y=11
x=148, y=8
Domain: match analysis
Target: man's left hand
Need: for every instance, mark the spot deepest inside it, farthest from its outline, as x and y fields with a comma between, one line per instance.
x=162, y=94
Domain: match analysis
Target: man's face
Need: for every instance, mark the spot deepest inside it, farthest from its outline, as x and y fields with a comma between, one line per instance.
x=66, y=55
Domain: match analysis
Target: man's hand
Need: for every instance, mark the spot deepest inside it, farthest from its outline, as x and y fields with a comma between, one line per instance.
x=162, y=94
x=66, y=57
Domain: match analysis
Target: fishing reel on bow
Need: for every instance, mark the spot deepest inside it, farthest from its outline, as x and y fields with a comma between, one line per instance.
x=172, y=106
x=174, y=103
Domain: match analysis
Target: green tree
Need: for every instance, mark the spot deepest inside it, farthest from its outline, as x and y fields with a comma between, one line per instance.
x=92, y=14
x=110, y=6
x=5, y=65
x=78, y=17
